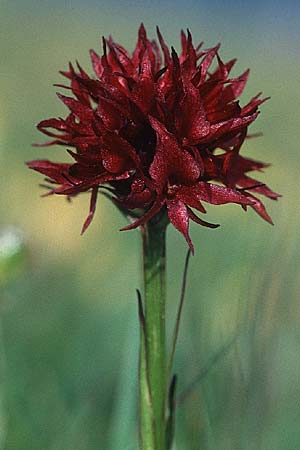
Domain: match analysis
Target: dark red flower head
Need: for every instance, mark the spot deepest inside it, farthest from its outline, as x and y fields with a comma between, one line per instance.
x=147, y=127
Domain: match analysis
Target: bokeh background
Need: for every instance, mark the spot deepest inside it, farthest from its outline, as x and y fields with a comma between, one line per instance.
x=68, y=336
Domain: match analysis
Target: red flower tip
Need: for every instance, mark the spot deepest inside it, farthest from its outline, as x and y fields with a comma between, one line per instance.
x=160, y=129
x=92, y=209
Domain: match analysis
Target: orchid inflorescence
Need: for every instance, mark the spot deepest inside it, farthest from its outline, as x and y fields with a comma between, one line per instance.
x=161, y=131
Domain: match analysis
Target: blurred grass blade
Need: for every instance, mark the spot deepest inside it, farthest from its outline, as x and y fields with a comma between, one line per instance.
x=123, y=420
x=170, y=430
x=146, y=413
x=178, y=317
x=206, y=369
x=3, y=400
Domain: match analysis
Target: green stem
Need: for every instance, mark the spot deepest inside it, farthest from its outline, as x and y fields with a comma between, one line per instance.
x=152, y=377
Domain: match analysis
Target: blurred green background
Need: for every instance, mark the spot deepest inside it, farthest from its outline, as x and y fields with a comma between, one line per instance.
x=68, y=335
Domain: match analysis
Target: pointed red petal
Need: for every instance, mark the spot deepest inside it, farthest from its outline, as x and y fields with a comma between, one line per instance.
x=84, y=114
x=202, y=222
x=118, y=155
x=220, y=195
x=92, y=209
x=247, y=183
x=207, y=60
x=254, y=103
x=143, y=91
x=235, y=89
x=188, y=196
x=155, y=208
x=110, y=115
x=55, y=171
x=191, y=117
x=179, y=217
x=96, y=62
x=164, y=47
x=170, y=160
x=258, y=206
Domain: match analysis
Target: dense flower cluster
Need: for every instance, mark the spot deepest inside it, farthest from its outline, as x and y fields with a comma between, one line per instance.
x=148, y=126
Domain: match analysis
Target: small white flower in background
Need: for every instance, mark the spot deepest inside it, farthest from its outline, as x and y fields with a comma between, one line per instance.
x=11, y=241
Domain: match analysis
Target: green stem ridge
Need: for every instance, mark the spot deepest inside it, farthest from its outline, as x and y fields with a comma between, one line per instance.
x=152, y=366
x=147, y=427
